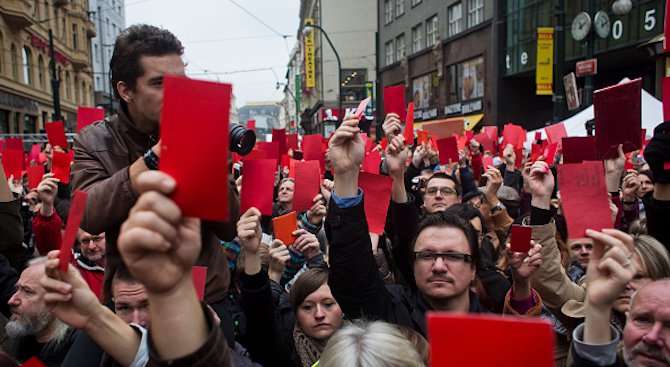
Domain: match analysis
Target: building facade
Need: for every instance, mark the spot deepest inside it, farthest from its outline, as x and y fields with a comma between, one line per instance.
x=25, y=75
x=109, y=17
x=266, y=115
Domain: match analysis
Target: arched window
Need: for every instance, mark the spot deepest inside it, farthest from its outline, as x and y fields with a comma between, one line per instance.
x=15, y=63
x=40, y=72
x=26, y=62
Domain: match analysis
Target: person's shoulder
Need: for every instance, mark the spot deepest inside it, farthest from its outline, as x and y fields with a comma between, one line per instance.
x=97, y=134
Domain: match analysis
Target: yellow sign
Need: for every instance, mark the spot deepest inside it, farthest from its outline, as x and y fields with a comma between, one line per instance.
x=310, y=69
x=544, y=68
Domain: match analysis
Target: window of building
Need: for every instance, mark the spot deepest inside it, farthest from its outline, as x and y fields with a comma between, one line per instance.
x=455, y=19
x=400, y=47
x=417, y=38
x=67, y=85
x=389, y=52
x=96, y=57
x=466, y=80
x=425, y=90
x=29, y=124
x=62, y=30
x=75, y=31
x=388, y=11
x=109, y=27
x=353, y=85
x=2, y=56
x=475, y=12
x=4, y=122
x=40, y=72
x=399, y=7
x=27, y=65
x=432, y=34
x=416, y=2
x=97, y=83
x=15, y=63
x=76, y=90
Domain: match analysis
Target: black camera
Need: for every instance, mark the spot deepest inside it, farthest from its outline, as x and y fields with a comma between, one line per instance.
x=242, y=140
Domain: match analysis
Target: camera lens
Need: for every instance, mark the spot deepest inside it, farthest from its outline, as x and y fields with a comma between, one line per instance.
x=242, y=140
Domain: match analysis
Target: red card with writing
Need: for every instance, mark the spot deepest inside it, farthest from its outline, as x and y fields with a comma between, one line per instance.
x=33, y=362
x=258, y=185
x=186, y=147
x=12, y=162
x=14, y=143
x=487, y=161
x=312, y=151
x=307, y=182
x=73, y=219
x=56, y=134
x=521, y=236
x=550, y=153
x=394, y=100
x=361, y=107
x=88, y=115
x=371, y=163
x=199, y=276
x=35, y=174
x=292, y=141
x=448, y=150
x=251, y=124
x=284, y=226
x=618, y=118
x=456, y=340
x=377, y=193
x=555, y=133
x=422, y=137
x=409, y=124
x=584, y=197
x=579, y=149
x=60, y=166
x=666, y=98
x=279, y=136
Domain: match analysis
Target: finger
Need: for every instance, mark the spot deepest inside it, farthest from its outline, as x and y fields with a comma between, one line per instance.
x=317, y=198
x=624, y=274
x=153, y=201
x=57, y=297
x=251, y=212
x=152, y=221
x=138, y=239
x=155, y=181
x=620, y=150
x=621, y=236
x=54, y=285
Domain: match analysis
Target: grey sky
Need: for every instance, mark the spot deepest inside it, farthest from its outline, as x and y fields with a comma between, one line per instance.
x=219, y=37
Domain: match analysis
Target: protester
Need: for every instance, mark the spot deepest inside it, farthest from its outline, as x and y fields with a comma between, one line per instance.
x=11, y=232
x=90, y=259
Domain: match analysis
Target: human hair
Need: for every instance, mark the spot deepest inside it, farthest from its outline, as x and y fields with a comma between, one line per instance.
x=638, y=227
x=653, y=255
x=370, y=344
x=122, y=275
x=457, y=185
x=287, y=179
x=417, y=340
x=306, y=284
x=444, y=219
x=647, y=173
x=468, y=211
x=134, y=42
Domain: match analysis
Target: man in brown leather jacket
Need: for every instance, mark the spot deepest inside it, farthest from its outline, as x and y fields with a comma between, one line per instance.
x=110, y=154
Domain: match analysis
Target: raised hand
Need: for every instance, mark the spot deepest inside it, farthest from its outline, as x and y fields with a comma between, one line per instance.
x=47, y=190
x=306, y=243
x=396, y=156
x=249, y=230
x=318, y=211
x=420, y=153
x=614, y=169
x=346, y=147
x=509, y=156
x=391, y=126
x=540, y=184
x=494, y=181
x=629, y=186
x=524, y=265
x=279, y=256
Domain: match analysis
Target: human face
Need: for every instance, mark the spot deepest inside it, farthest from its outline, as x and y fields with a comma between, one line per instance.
x=92, y=247
x=145, y=101
x=131, y=302
x=435, y=201
x=441, y=280
x=646, y=336
x=319, y=315
x=30, y=316
x=285, y=194
x=580, y=251
x=645, y=185
x=641, y=278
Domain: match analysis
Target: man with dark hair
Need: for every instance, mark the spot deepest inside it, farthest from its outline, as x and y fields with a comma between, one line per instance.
x=110, y=154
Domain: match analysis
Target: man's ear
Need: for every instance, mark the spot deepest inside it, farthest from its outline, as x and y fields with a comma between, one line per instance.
x=124, y=91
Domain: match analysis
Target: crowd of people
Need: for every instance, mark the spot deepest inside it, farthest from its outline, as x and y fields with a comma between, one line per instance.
x=341, y=294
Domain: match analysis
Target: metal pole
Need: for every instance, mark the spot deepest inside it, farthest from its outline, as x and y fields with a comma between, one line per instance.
x=55, y=82
x=339, y=71
x=102, y=59
x=559, y=70
x=590, y=40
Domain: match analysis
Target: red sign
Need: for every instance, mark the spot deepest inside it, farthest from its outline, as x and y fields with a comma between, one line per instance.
x=587, y=67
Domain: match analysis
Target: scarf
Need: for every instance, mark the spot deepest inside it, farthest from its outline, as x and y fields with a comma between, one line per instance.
x=309, y=349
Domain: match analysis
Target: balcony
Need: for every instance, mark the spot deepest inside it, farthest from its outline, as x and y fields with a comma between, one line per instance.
x=16, y=13
x=90, y=29
x=79, y=59
x=61, y=2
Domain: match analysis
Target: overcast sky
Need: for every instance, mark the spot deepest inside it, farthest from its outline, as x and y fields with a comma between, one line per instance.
x=220, y=37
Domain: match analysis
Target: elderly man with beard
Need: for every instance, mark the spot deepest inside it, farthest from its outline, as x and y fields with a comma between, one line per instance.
x=33, y=330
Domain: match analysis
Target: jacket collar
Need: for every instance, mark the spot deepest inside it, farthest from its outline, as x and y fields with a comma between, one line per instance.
x=128, y=129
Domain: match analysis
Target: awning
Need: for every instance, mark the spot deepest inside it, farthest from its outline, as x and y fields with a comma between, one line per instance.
x=469, y=121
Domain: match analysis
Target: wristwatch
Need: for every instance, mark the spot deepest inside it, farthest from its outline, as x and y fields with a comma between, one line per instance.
x=151, y=160
x=498, y=207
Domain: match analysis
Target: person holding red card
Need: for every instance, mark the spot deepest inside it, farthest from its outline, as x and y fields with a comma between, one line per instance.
x=11, y=232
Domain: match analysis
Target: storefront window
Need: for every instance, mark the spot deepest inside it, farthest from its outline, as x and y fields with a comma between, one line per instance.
x=466, y=80
x=425, y=90
x=353, y=85
x=29, y=124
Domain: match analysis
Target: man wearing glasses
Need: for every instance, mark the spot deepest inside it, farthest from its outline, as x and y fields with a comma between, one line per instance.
x=90, y=259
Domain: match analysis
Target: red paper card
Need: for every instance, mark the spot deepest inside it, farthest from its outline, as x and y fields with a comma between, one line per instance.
x=579, y=149
x=550, y=153
x=666, y=30
x=448, y=150
x=185, y=147
x=491, y=132
x=35, y=152
x=73, y=219
x=35, y=174
x=618, y=118
x=535, y=152
x=456, y=340
x=521, y=237
x=88, y=115
x=487, y=161
x=584, y=197
x=409, y=124
x=666, y=98
x=271, y=148
x=377, y=193
x=538, y=135
x=555, y=133
x=361, y=107
x=312, y=150
x=384, y=143
x=251, y=124
x=666, y=165
x=199, y=276
x=279, y=136
x=307, y=184
x=394, y=100
x=422, y=137
x=485, y=142
x=33, y=362
x=60, y=166
x=512, y=134
x=292, y=141
x=284, y=227
x=371, y=163
x=462, y=142
x=14, y=143
x=255, y=154
x=56, y=134
x=12, y=162
x=285, y=161
x=258, y=185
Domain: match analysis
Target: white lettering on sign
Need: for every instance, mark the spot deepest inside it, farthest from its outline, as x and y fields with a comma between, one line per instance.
x=429, y=114
x=524, y=58
x=472, y=106
x=452, y=109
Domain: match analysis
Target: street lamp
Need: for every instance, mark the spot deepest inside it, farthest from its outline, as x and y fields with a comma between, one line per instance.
x=306, y=32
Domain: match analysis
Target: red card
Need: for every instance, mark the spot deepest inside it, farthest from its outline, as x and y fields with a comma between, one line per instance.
x=251, y=124
x=33, y=362
x=284, y=227
x=307, y=184
x=521, y=236
x=60, y=166
x=618, y=118
x=462, y=142
x=555, y=133
x=14, y=143
x=518, y=158
x=409, y=124
x=422, y=137
x=199, y=276
x=255, y=154
x=12, y=162
x=35, y=174
x=584, y=197
x=258, y=185
x=73, y=219
x=448, y=150
x=371, y=163
x=666, y=30
x=292, y=141
x=279, y=136
x=285, y=161
x=56, y=134
x=538, y=135
x=35, y=152
x=361, y=107
x=666, y=98
x=666, y=165
x=485, y=142
x=312, y=151
x=185, y=147
x=487, y=161
x=377, y=193
x=271, y=149
x=384, y=143
x=535, y=152
x=456, y=340
x=89, y=115
x=550, y=153
x=491, y=132
x=394, y=100
x=512, y=134
x=579, y=149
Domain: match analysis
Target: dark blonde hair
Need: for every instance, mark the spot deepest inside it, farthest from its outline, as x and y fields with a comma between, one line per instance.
x=306, y=284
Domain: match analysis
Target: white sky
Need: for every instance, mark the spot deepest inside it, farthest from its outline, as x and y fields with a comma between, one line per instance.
x=219, y=37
